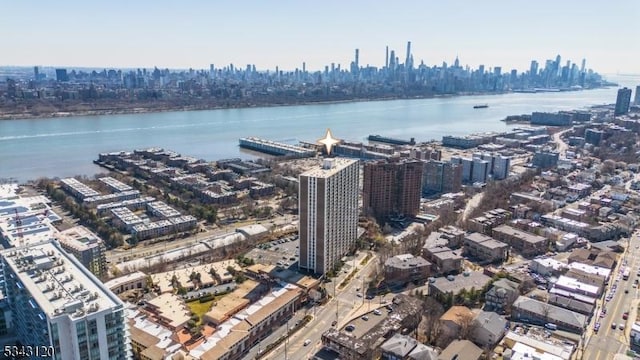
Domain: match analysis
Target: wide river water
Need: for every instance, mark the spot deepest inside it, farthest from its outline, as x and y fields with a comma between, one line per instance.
x=59, y=147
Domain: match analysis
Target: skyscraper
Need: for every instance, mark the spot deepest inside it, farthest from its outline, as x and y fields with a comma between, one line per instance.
x=61, y=75
x=407, y=62
x=622, y=101
x=392, y=188
x=54, y=301
x=386, y=57
x=328, y=205
x=533, y=69
x=636, y=100
x=441, y=177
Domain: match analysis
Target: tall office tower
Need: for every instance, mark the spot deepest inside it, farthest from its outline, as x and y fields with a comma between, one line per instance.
x=36, y=73
x=637, y=98
x=622, y=101
x=392, y=60
x=392, y=188
x=357, y=60
x=584, y=63
x=557, y=67
x=533, y=70
x=54, y=301
x=304, y=67
x=386, y=57
x=328, y=206
x=497, y=70
x=441, y=177
x=61, y=75
x=407, y=61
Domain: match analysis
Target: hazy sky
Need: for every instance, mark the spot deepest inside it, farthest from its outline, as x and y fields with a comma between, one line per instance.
x=182, y=34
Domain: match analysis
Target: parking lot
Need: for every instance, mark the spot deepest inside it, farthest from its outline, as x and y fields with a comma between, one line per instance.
x=361, y=326
x=282, y=252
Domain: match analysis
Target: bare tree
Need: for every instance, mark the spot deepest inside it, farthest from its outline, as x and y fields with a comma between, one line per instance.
x=467, y=325
x=429, y=328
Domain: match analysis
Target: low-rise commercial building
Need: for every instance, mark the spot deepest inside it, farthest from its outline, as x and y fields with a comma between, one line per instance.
x=366, y=347
x=236, y=336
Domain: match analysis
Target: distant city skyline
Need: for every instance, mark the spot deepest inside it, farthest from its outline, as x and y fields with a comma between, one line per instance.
x=194, y=35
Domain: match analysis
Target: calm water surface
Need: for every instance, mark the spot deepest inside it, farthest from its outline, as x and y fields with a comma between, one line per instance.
x=66, y=146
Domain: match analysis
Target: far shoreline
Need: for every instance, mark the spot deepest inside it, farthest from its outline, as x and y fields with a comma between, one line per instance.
x=148, y=110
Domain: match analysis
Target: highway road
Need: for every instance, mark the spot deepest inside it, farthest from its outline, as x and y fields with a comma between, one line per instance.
x=609, y=341
x=345, y=305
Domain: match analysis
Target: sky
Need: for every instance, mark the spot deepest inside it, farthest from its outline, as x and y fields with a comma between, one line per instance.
x=286, y=33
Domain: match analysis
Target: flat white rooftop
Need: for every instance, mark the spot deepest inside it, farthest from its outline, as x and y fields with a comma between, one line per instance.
x=590, y=269
x=570, y=283
x=329, y=167
x=79, y=238
x=125, y=279
x=27, y=220
x=58, y=283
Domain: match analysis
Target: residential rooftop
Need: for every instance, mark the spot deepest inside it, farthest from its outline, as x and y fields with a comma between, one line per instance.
x=125, y=279
x=406, y=261
x=329, y=167
x=58, y=282
x=26, y=220
x=525, y=236
x=79, y=238
x=473, y=279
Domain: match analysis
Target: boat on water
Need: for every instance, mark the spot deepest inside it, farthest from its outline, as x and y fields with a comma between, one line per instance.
x=481, y=106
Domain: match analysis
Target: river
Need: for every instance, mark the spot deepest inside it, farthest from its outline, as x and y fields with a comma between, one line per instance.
x=59, y=147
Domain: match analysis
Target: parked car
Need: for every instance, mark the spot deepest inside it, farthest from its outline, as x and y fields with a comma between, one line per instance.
x=307, y=342
x=613, y=326
x=625, y=316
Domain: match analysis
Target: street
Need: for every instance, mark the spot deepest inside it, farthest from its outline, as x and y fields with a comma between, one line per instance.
x=346, y=304
x=609, y=341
